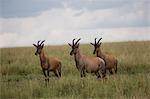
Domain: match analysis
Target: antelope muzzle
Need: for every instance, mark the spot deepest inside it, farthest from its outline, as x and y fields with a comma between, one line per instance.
x=71, y=53
x=94, y=51
x=36, y=53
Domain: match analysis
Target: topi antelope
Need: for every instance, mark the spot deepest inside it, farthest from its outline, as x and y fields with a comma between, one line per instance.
x=110, y=61
x=47, y=64
x=85, y=63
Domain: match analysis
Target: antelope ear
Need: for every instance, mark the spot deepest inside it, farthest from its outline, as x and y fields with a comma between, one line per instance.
x=92, y=44
x=42, y=45
x=69, y=44
x=78, y=45
x=99, y=44
x=34, y=45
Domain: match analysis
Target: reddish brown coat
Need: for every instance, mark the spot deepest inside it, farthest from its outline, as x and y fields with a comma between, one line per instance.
x=86, y=63
x=110, y=60
x=48, y=63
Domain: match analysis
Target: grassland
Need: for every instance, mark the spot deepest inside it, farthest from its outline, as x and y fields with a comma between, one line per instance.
x=21, y=76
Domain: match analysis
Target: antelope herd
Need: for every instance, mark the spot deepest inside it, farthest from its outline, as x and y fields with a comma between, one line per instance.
x=98, y=64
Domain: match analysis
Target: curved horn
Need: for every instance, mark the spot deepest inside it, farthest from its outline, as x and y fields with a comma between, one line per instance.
x=95, y=40
x=77, y=41
x=73, y=41
x=99, y=40
x=42, y=42
x=38, y=42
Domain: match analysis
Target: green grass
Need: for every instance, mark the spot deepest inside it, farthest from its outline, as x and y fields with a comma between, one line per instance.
x=21, y=75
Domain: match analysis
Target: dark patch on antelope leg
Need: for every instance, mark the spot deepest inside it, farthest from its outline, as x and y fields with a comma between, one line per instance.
x=83, y=73
x=59, y=69
x=48, y=75
x=110, y=70
x=55, y=72
x=44, y=74
x=115, y=69
x=116, y=66
x=98, y=75
x=59, y=72
x=48, y=79
x=104, y=73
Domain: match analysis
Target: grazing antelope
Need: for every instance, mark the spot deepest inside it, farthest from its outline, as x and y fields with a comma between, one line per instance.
x=110, y=61
x=85, y=63
x=48, y=64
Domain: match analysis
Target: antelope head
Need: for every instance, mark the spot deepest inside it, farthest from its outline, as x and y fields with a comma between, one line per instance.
x=74, y=46
x=96, y=45
x=39, y=47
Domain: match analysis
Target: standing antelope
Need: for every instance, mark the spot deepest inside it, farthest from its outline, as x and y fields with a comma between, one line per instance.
x=48, y=64
x=85, y=63
x=110, y=61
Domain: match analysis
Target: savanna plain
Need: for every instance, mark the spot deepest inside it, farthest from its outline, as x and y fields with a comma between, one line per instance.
x=21, y=76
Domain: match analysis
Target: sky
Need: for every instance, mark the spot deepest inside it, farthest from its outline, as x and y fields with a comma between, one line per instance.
x=24, y=22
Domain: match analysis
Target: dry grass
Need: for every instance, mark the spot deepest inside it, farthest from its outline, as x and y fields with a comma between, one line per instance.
x=21, y=76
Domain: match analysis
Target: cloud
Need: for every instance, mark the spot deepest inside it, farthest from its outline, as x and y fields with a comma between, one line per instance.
x=59, y=25
x=63, y=37
x=96, y=4
x=27, y=8
x=72, y=19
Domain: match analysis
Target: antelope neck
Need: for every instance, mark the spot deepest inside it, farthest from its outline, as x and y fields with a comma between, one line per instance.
x=42, y=56
x=99, y=54
x=77, y=56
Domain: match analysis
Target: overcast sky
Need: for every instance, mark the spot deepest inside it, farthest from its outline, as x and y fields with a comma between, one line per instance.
x=23, y=22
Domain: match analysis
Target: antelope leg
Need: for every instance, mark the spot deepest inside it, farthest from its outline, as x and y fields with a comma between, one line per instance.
x=98, y=74
x=81, y=73
x=56, y=74
x=48, y=75
x=44, y=72
x=110, y=70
